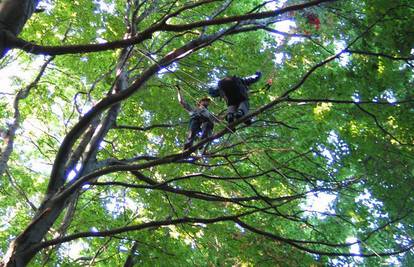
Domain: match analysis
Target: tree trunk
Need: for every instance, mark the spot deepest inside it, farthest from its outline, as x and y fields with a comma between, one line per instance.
x=21, y=251
x=13, y=16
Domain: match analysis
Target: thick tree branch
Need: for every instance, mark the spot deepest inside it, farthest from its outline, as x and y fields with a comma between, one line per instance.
x=14, y=42
x=149, y=225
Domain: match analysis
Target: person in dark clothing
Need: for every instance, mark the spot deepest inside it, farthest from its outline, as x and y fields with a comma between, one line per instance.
x=235, y=92
x=201, y=120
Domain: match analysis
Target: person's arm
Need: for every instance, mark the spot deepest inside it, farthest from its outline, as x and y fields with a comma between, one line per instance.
x=252, y=79
x=183, y=103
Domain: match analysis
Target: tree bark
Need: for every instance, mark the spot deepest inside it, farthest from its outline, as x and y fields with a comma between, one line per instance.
x=22, y=250
x=13, y=16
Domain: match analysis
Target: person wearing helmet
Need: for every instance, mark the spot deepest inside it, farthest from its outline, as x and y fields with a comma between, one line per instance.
x=201, y=119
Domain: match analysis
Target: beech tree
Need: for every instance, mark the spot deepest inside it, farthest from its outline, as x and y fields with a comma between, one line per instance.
x=92, y=169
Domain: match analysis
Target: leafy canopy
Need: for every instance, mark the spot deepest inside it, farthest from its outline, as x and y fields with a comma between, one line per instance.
x=324, y=175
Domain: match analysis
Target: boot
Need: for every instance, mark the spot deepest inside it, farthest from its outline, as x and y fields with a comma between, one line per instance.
x=230, y=117
x=239, y=114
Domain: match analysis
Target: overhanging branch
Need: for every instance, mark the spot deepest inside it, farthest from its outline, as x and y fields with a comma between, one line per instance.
x=14, y=42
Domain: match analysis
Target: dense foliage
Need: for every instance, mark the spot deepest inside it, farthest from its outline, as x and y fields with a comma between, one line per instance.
x=92, y=135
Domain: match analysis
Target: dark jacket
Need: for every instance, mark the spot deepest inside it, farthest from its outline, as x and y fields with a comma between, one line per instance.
x=234, y=89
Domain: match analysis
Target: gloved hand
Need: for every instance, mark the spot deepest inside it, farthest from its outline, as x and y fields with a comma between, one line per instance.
x=270, y=81
x=259, y=74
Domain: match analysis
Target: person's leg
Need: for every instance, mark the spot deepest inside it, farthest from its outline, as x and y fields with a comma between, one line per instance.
x=230, y=113
x=206, y=129
x=193, y=128
x=242, y=109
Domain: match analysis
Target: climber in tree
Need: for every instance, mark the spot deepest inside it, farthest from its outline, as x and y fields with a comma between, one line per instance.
x=201, y=120
x=235, y=92
x=313, y=19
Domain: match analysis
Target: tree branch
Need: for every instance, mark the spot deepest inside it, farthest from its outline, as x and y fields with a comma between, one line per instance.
x=14, y=42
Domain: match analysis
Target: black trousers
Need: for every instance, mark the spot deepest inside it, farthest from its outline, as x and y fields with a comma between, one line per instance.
x=198, y=124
